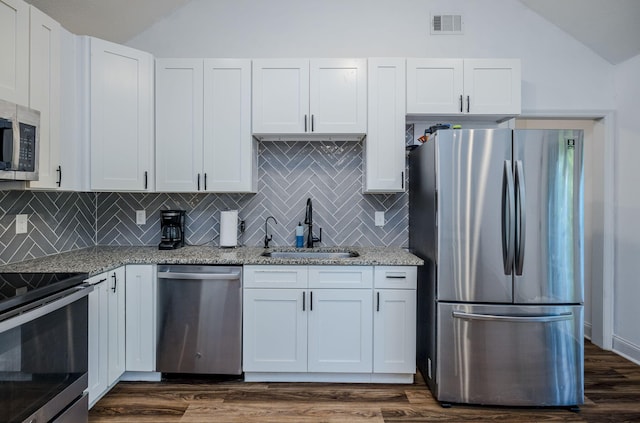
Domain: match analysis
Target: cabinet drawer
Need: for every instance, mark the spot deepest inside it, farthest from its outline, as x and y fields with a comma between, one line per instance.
x=397, y=277
x=340, y=276
x=275, y=276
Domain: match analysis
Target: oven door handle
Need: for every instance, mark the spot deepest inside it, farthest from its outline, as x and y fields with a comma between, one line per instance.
x=47, y=306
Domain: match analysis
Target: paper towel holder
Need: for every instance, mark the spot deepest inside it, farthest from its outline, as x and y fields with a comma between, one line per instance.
x=228, y=228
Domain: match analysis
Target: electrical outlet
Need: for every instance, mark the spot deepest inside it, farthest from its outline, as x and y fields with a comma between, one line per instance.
x=379, y=218
x=141, y=217
x=21, y=223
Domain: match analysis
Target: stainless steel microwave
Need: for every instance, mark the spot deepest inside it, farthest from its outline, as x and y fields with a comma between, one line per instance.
x=19, y=142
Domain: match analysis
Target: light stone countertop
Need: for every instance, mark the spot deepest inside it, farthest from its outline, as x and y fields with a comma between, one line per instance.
x=95, y=260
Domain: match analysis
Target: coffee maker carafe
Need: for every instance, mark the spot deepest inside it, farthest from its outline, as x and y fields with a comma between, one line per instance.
x=172, y=229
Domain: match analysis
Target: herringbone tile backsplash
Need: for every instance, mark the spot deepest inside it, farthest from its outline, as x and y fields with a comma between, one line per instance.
x=57, y=222
x=330, y=173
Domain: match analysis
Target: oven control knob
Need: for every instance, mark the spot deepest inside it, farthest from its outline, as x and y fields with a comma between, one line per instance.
x=198, y=355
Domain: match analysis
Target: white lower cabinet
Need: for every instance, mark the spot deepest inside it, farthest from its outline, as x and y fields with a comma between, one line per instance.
x=106, y=332
x=339, y=331
x=316, y=323
x=140, y=306
x=394, y=319
x=274, y=330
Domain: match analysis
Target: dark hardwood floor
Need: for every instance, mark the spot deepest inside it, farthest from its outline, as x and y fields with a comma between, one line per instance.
x=612, y=394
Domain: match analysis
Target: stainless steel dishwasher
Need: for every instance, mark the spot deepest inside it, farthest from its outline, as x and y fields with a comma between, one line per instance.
x=199, y=319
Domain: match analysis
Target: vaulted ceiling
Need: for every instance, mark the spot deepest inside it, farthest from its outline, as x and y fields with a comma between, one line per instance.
x=609, y=27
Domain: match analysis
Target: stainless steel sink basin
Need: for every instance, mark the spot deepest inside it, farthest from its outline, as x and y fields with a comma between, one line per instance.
x=311, y=254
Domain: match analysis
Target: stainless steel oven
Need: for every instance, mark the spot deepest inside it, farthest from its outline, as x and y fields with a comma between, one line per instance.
x=43, y=348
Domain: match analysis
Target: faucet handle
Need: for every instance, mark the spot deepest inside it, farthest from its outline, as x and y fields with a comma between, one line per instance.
x=318, y=238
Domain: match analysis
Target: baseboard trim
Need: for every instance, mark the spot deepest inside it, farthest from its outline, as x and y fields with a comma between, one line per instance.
x=626, y=349
x=399, y=378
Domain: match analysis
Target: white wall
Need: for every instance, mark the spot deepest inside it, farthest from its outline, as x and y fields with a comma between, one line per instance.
x=627, y=246
x=558, y=72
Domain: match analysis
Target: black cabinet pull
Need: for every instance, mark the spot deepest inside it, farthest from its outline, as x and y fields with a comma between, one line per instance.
x=311, y=301
x=461, y=103
x=378, y=301
x=198, y=182
x=115, y=282
x=402, y=179
x=312, y=123
x=468, y=104
x=146, y=179
x=59, y=170
x=305, y=123
x=205, y=181
x=303, y=298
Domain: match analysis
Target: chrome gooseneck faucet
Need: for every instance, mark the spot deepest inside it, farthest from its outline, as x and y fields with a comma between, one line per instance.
x=268, y=238
x=308, y=220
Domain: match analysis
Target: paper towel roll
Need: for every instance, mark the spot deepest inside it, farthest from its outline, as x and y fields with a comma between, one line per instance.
x=229, y=228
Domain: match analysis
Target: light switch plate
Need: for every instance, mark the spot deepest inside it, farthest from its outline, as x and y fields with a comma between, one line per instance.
x=141, y=217
x=379, y=218
x=21, y=223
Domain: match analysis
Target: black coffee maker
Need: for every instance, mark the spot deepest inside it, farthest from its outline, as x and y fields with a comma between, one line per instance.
x=172, y=229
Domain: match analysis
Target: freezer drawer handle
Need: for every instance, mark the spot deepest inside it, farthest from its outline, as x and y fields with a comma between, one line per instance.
x=542, y=318
x=200, y=276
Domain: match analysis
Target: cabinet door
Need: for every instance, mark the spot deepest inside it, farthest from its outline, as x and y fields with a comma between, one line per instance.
x=179, y=85
x=394, y=331
x=435, y=86
x=280, y=96
x=492, y=86
x=274, y=330
x=340, y=330
x=14, y=66
x=140, y=311
x=116, y=339
x=338, y=96
x=228, y=145
x=385, y=144
x=44, y=95
x=98, y=340
x=121, y=118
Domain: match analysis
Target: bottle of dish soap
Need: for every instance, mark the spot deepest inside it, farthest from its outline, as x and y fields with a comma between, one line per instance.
x=299, y=235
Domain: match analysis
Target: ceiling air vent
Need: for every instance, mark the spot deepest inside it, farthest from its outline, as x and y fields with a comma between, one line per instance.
x=446, y=24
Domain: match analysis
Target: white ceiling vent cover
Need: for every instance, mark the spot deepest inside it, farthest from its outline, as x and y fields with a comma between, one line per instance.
x=446, y=24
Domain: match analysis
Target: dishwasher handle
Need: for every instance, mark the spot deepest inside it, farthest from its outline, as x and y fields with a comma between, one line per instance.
x=200, y=276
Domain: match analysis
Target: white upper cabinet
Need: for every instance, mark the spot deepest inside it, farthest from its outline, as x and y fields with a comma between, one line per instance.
x=230, y=162
x=464, y=86
x=203, y=126
x=492, y=86
x=299, y=96
x=384, y=160
x=44, y=95
x=121, y=118
x=14, y=66
x=178, y=124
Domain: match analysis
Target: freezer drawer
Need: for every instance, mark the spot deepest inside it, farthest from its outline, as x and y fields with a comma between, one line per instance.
x=510, y=355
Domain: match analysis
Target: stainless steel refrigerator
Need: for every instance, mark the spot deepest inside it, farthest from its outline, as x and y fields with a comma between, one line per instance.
x=497, y=215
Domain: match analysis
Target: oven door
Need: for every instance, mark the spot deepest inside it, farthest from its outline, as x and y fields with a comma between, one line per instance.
x=43, y=359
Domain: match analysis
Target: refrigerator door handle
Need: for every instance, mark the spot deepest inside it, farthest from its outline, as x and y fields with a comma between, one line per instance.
x=541, y=318
x=508, y=218
x=521, y=210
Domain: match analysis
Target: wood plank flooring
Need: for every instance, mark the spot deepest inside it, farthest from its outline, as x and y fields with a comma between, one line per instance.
x=612, y=394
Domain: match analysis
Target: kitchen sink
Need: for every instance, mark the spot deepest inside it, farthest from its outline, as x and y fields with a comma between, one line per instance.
x=311, y=254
